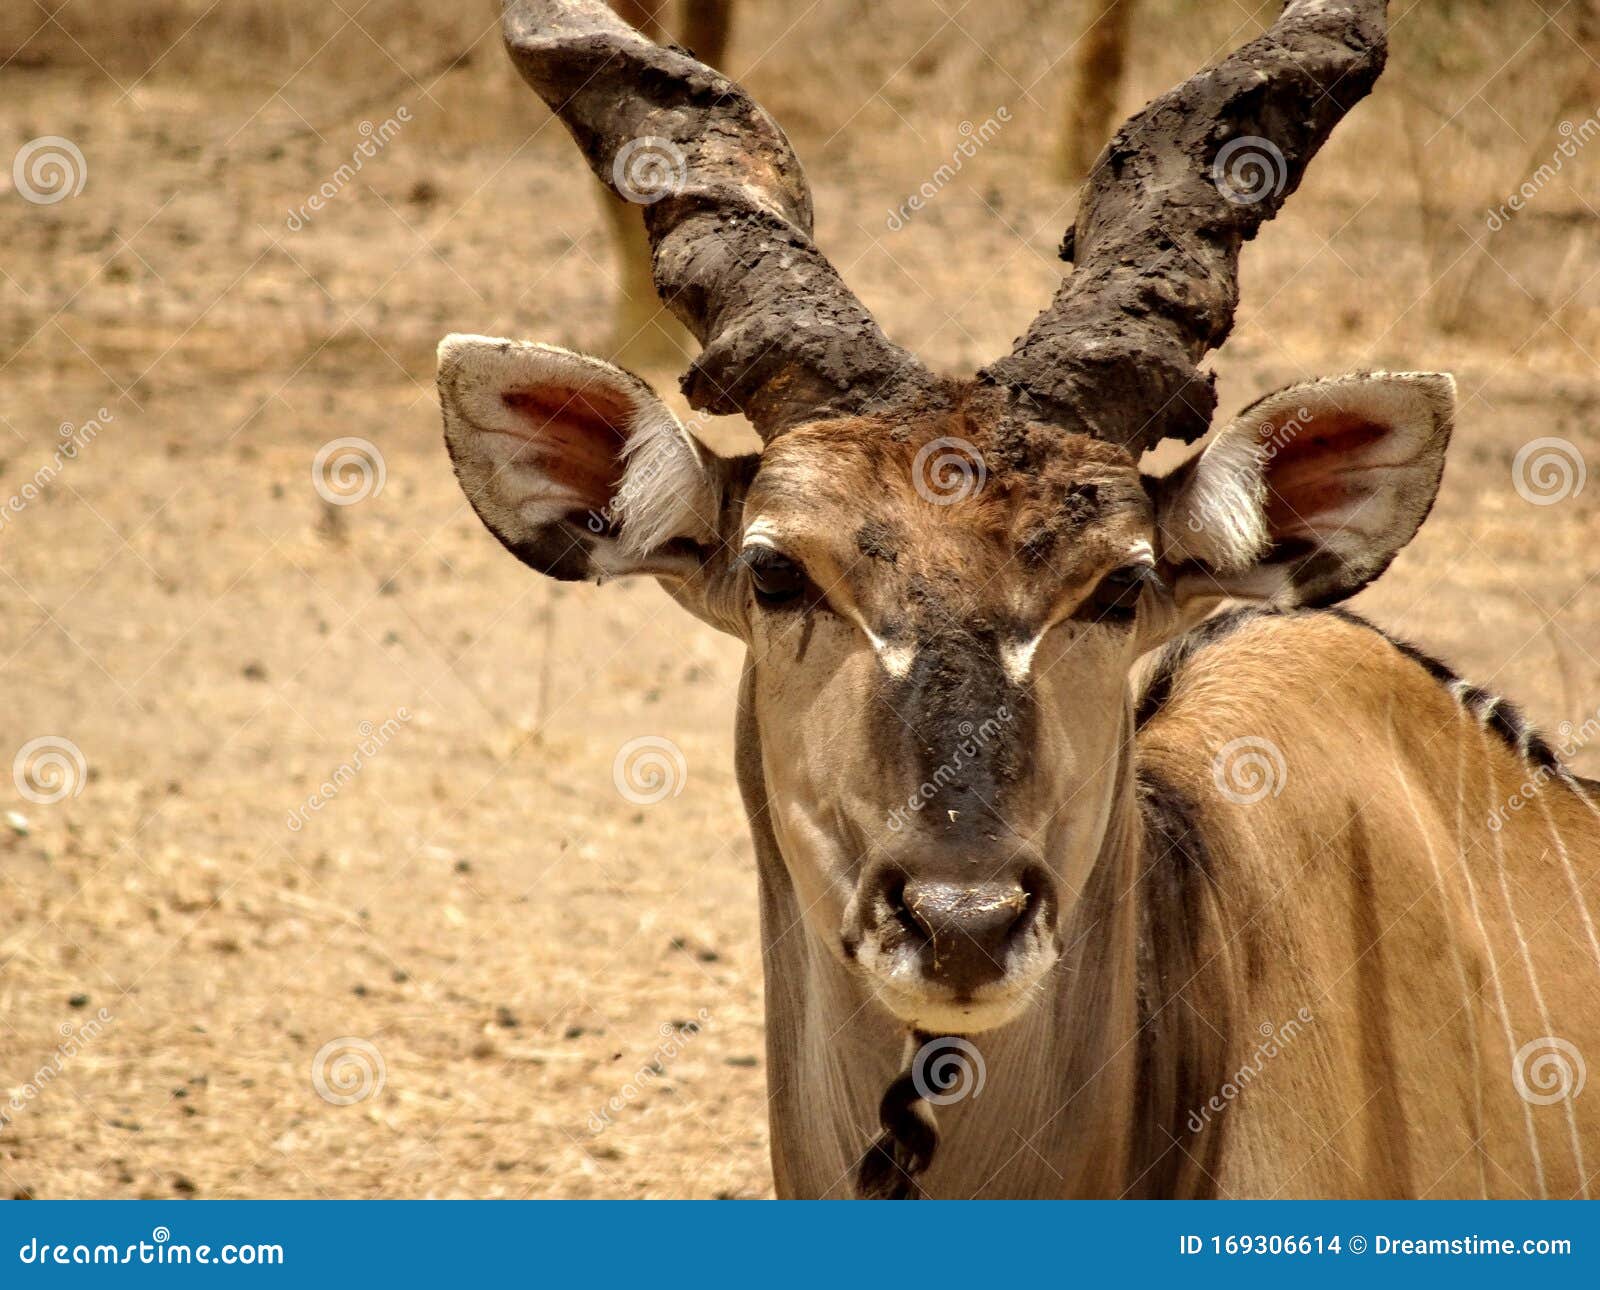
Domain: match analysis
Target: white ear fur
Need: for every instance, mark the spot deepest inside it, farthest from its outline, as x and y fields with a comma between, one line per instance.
x=1219, y=510
x=666, y=490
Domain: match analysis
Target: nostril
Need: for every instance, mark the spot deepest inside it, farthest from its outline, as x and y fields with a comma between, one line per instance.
x=903, y=913
x=1035, y=884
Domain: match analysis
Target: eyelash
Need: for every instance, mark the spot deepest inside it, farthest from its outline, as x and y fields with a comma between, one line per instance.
x=1115, y=598
x=777, y=581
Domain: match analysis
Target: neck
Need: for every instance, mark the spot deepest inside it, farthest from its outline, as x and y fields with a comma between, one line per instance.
x=1082, y=1095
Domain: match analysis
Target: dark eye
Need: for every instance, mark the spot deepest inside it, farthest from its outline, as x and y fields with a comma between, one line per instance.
x=777, y=579
x=1116, y=597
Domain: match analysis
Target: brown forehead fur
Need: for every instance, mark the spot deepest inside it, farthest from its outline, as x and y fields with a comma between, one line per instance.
x=1053, y=509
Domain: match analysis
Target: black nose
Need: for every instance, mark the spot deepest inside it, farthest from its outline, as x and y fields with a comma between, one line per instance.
x=965, y=929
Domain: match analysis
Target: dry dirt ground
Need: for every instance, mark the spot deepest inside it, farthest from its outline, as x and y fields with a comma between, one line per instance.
x=434, y=984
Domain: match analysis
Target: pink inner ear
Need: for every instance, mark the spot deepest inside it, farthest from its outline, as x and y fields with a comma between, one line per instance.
x=1317, y=469
x=577, y=435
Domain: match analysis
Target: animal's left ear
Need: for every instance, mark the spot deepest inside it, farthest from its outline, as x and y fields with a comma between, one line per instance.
x=1309, y=493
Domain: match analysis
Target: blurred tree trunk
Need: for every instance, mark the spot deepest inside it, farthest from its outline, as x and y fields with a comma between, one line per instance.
x=1099, y=59
x=643, y=16
x=705, y=28
x=644, y=335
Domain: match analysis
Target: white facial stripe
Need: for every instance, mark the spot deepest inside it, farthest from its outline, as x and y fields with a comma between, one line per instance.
x=1017, y=658
x=896, y=659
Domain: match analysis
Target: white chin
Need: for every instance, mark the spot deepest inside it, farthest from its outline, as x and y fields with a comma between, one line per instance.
x=944, y=1016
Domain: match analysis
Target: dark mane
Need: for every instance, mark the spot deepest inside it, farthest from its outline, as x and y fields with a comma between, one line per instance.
x=1492, y=711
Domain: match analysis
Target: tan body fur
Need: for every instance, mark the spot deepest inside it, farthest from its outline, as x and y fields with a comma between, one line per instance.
x=1371, y=891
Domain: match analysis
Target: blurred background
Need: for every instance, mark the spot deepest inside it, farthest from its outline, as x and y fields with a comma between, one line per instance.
x=321, y=870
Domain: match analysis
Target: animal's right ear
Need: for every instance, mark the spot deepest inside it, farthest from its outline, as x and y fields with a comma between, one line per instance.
x=575, y=465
